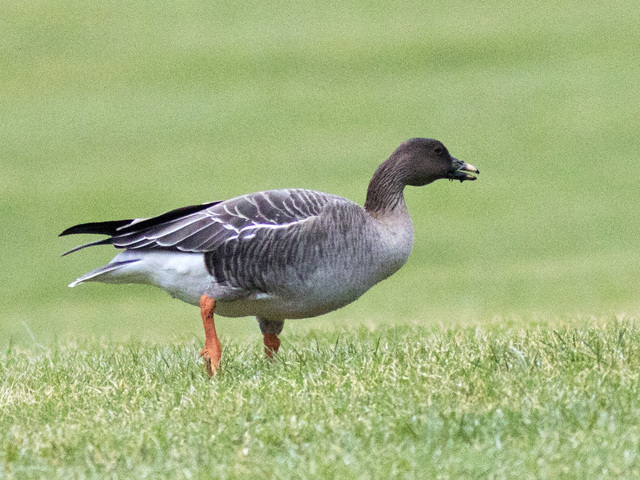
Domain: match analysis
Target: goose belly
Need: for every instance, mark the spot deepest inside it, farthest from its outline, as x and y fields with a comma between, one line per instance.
x=296, y=296
x=287, y=305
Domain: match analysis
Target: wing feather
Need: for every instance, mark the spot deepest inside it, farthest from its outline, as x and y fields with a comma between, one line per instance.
x=206, y=228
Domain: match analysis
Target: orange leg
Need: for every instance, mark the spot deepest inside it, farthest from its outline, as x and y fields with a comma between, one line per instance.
x=211, y=351
x=270, y=330
x=271, y=344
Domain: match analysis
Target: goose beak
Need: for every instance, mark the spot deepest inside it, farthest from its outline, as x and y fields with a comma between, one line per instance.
x=463, y=171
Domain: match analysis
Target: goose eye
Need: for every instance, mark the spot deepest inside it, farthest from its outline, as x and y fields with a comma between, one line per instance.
x=438, y=150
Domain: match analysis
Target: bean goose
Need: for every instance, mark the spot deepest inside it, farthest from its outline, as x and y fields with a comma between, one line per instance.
x=277, y=254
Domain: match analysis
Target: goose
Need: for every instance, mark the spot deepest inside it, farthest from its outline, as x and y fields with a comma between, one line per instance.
x=276, y=254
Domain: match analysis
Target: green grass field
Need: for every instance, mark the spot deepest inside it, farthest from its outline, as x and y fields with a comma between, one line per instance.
x=398, y=403
x=506, y=347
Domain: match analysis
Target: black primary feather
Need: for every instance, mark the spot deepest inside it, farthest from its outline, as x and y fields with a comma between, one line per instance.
x=101, y=228
x=120, y=227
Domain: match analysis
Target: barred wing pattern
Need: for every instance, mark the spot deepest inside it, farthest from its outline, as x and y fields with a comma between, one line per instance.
x=284, y=259
x=208, y=229
x=204, y=228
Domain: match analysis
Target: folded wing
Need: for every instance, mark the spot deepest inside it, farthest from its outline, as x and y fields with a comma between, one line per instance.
x=203, y=228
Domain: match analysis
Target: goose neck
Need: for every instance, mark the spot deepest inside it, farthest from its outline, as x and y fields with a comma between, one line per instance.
x=385, y=192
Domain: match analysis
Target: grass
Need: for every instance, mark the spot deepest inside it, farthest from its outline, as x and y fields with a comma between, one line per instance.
x=404, y=402
x=478, y=359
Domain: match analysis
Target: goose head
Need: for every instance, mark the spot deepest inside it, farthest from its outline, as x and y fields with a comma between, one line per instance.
x=420, y=161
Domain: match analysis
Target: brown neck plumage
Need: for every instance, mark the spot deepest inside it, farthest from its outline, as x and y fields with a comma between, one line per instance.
x=385, y=188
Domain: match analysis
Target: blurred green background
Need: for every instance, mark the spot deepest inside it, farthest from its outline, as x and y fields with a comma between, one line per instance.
x=120, y=109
